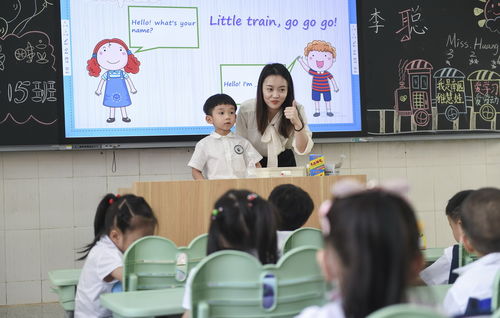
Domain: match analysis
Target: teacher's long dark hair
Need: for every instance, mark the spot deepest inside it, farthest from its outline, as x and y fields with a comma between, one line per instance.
x=285, y=126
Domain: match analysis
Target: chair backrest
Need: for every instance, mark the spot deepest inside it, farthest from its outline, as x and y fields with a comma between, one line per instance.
x=496, y=314
x=150, y=263
x=495, y=299
x=234, y=284
x=306, y=236
x=299, y=281
x=465, y=257
x=405, y=311
x=189, y=256
x=197, y=250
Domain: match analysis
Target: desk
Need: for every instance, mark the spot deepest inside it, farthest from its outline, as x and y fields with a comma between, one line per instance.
x=145, y=303
x=183, y=207
x=65, y=281
x=432, y=254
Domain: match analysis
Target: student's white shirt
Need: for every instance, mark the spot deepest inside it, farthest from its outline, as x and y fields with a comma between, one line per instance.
x=475, y=281
x=224, y=157
x=271, y=143
x=103, y=258
x=281, y=238
x=438, y=273
x=331, y=310
x=186, y=300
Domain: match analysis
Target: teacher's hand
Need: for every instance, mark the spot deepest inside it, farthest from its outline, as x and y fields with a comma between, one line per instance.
x=292, y=114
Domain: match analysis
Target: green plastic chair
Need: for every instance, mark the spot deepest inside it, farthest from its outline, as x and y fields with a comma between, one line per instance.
x=405, y=311
x=496, y=314
x=495, y=299
x=465, y=257
x=150, y=263
x=65, y=281
x=154, y=262
x=306, y=236
x=196, y=250
x=231, y=284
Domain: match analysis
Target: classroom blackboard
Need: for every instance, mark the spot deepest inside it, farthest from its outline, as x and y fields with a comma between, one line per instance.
x=430, y=66
x=30, y=92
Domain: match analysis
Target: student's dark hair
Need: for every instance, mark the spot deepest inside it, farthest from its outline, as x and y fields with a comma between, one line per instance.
x=285, y=127
x=126, y=213
x=294, y=206
x=480, y=217
x=454, y=204
x=376, y=237
x=216, y=100
x=243, y=221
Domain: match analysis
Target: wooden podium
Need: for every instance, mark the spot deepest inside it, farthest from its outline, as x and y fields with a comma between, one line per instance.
x=184, y=208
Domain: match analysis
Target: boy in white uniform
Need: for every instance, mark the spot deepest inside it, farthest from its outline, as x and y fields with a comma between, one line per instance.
x=439, y=272
x=294, y=206
x=222, y=154
x=471, y=294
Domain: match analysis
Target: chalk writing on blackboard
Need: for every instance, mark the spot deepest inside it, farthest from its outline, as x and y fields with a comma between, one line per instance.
x=28, y=63
x=376, y=21
x=14, y=19
x=490, y=14
x=30, y=118
x=425, y=96
x=411, y=23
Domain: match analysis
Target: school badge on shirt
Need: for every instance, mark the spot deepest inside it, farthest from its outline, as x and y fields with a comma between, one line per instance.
x=239, y=149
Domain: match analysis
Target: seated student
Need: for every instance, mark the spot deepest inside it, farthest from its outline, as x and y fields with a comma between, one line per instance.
x=294, y=207
x=471, y=293
x=440, y=272
x=222, y=154
x=371, y=251
x=241, y=221
x=119, y=221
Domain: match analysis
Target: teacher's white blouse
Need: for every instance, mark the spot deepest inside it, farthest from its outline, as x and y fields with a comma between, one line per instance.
x=271, y=143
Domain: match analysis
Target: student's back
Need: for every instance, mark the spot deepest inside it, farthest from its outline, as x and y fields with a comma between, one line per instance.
x=472, y=291
x=440, y=272
x=293, y=206
x=243, y=221
x=371, y=251
x=119, y=221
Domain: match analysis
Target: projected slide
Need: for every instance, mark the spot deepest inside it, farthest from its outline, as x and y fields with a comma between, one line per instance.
x=145, y=68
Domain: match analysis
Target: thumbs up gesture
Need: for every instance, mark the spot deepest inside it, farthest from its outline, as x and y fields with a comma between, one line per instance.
x=292, y=114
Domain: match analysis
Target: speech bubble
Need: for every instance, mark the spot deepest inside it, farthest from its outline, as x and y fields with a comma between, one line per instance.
x=240, y=80
x=163, y=27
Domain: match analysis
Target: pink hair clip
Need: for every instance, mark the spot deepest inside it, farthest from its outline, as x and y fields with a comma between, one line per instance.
x=250, y=198
x=348, y=187
x=323, y=219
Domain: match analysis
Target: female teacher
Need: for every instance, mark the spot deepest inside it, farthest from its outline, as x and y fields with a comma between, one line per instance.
x=273, y=122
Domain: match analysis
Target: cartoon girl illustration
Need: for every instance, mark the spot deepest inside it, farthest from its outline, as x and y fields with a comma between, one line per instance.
x=114, y=56
x=320, y=56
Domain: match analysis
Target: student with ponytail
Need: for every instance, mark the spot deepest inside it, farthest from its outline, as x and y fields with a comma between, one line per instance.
x=242, y=221
x=119, y=221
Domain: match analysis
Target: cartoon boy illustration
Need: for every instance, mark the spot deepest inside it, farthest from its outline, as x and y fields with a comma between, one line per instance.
x=114, y=56
x=320, y=57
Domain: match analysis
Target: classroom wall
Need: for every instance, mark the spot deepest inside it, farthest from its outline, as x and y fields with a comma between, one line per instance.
x=48, y=199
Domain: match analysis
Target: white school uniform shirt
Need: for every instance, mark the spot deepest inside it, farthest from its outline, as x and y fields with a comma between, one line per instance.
x=103, y=258
x=271, y=143
x=475, y=281
x=224, y=157
x=281, y=237
x=331, y=310
x=438, y=273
